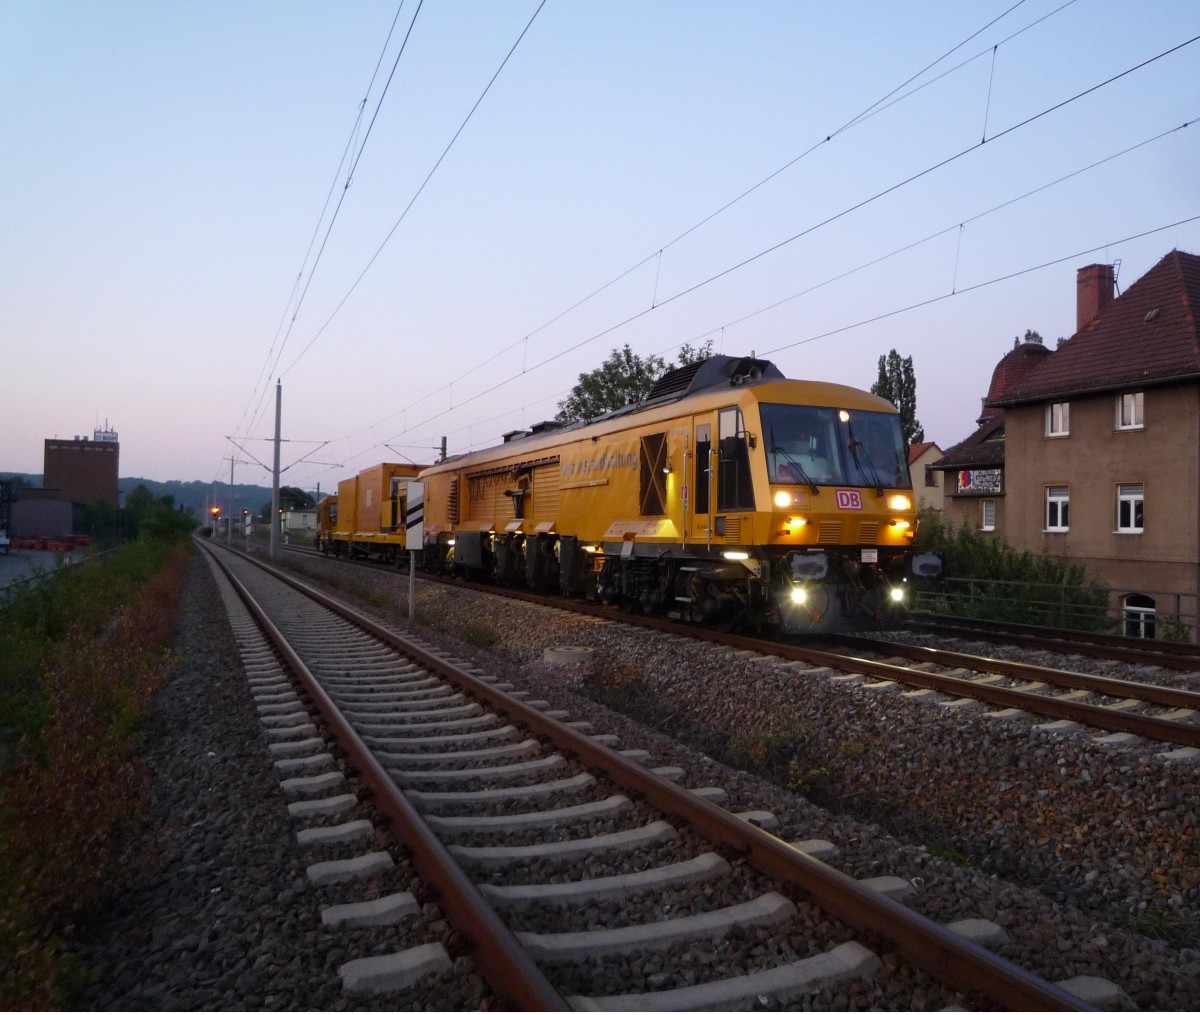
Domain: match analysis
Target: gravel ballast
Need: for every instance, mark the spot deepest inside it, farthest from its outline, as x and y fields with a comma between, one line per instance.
x=1072, y=848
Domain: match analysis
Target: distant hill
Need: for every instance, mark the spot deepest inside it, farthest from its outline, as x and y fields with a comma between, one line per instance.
x=199, y=496
x=195, y=494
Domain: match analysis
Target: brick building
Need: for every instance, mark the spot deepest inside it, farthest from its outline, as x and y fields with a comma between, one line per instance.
x=1092, y=451
x=83, y=470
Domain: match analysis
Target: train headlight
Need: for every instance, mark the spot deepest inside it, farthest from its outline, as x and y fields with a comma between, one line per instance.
x=897, y=594
x=899, y=524
x=899, y=502
x=799, y=595
x=783, y=499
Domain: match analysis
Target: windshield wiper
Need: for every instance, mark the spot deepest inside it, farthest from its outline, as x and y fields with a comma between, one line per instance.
x=870, y=471
x=799, y=469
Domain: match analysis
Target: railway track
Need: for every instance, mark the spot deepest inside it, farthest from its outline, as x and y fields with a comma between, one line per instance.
x=554, y=856
x=1123, y=712
x=1137, y=651
x=1127, y=710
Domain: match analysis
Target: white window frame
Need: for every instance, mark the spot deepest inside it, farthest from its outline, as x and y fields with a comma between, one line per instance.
x=1058, y=509
x=1131, y=508
x=1058, y=419
x=1131, y=410
x=1138, y=620
x=987, y=515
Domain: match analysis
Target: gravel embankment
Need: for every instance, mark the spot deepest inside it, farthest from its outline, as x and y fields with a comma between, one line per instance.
x=1070, y=846
x=230, y=921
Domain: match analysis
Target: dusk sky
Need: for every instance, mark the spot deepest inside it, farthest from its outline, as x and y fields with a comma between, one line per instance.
x=924, y=177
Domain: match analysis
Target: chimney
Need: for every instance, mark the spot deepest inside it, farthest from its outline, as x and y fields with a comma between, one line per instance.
x=1093, y=292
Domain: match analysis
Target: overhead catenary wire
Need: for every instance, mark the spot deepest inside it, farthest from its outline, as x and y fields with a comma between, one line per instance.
x=660, y=303
x=885, y=101
x=345, y=188
x=983, y=285
x=878, y=317
x=935, y=234
x=424, y=183
x=265, y=370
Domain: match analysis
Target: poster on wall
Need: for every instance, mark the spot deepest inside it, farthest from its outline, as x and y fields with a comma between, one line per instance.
x=981, y=481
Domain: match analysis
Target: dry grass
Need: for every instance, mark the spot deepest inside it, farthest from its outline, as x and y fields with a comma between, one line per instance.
x=71, y=793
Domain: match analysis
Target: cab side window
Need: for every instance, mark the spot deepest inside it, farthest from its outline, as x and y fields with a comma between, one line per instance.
x=735, y=492
x=703, y=468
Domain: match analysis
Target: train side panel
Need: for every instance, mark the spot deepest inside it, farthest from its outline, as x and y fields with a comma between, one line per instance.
x=381, y=498
x=327, y=512
x=347, y=517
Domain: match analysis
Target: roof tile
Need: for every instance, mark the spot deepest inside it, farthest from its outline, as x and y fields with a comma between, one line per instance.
x=983, y=449
x=1147, y=335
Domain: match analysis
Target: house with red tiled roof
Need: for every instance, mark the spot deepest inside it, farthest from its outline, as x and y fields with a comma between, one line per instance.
x=927, y=483
x=1092, y=450
x=973, y=487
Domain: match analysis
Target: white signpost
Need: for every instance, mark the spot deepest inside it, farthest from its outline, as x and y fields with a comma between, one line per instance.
x=414, y=538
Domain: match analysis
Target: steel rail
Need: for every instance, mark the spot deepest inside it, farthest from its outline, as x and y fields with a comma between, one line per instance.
x=1173, y=655
x=1170, y=697
x=948, y=957
x=1167, y=730
x=501, y=960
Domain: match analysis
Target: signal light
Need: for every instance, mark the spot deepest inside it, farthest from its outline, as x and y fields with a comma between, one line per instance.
x=214, y=511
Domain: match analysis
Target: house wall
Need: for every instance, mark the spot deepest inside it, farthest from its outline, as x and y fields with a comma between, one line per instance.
x=967, y=509
x=928, y=496
x=300, y=521
x=1161, y=561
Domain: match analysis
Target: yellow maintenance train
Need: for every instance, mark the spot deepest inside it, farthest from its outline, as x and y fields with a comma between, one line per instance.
x=729, y=496
x=365, y=518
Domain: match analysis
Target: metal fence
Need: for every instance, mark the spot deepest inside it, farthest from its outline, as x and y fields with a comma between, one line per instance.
x=1175, y=616
x=44, y=570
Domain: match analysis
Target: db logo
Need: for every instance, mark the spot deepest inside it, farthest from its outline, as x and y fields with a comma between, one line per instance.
x=849, y=500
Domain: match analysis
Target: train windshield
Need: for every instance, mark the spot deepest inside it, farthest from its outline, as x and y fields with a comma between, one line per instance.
x=818, y=445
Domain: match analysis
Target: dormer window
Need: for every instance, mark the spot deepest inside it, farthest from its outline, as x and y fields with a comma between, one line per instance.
x=1058, y=419
x=1129, y=411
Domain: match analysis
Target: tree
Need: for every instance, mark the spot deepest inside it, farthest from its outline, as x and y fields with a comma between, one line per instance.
x=1030, y=336
x=688, y=355
x=291, y=498
x=139, y=502
x=898, y=384
x=624, y=378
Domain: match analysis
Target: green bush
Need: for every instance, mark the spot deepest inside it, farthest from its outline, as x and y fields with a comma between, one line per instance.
x=985, y=577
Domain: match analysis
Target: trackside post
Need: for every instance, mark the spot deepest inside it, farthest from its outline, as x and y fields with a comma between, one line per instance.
x=414, y=538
